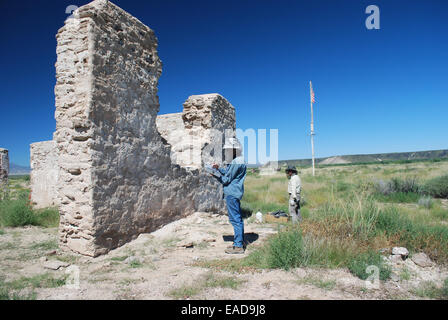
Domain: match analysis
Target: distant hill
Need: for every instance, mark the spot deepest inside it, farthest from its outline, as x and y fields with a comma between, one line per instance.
x=15, y=169
x=370, y=158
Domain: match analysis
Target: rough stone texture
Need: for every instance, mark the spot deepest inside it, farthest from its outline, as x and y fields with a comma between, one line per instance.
x=422, y=260
x=44, y=174
x=4, y=171
x=116, y=179
x=403, y=252
x=197, y=134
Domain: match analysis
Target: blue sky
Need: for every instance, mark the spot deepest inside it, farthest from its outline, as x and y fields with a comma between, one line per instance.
x=377, y=90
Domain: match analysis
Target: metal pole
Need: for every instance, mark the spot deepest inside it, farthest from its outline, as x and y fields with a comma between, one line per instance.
x=312, y=126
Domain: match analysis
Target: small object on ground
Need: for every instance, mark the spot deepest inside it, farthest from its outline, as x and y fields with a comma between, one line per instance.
x=235, y=250
x=133, y=259
x=279, y=214
x=403, y=252
x=55, y=265
x=259, y=217
x=422, y=260
x=185, y=244
x=51, y=253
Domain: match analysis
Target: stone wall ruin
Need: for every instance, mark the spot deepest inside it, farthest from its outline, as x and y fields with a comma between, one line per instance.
x=4, y=172
x=116, y=179
x=44, y=174
x=196, y=135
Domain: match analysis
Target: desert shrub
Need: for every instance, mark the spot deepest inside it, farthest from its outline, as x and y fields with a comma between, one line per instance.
x=48, y=218
x=429, y=289
x=398, y=197
x=437, y=187
x=414, y=235
x=342, y=186
x=326, y=252
x=397, y=185
x=439, y=213
x=426, y=202
x=383, y=187
x=16, y=212
x=362, y=221
x=397, y=190
x=354, y=217
x=285, y=249
x=445, y=289
x=358, y=265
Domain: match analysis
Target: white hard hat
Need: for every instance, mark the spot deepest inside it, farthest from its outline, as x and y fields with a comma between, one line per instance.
x=232, y=143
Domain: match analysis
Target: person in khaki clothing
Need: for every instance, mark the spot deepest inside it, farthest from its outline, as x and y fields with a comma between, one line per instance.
x=294, y=189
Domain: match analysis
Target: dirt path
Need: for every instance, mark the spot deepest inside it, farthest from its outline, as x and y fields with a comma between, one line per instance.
x=161, y=265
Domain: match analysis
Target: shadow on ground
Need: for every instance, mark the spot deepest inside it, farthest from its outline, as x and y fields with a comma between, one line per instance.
x=248, y=238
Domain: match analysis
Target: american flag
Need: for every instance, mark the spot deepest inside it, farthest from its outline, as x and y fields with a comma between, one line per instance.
x=313, y=98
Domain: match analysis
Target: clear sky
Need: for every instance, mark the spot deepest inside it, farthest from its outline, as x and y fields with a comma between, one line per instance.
x=377, y=90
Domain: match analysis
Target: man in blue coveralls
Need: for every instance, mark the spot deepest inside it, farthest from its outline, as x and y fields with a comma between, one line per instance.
x=232, y=178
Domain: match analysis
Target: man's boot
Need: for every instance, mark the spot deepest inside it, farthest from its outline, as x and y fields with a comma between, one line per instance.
x=235, y=250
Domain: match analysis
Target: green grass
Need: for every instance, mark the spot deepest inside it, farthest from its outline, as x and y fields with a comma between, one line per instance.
x=23, y=288
x=24, y=177
x=429, y=289
x=210, y=280
x=47, y=218
x=318, y=282
x=16, y=212
x=185, y=292
x=46, y=245
x=437, y=187
x=285, y=251
x=360, y=263
x=214, y=281
x=405, y=274
x=135, y=264
x=349, y=217
x=439, y=213
x=398, y=197
x=121, y=258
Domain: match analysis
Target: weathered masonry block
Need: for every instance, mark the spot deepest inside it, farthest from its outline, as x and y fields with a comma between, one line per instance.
x=203, y=123
x=116, y=179
x=44, y=174
x=4, y=171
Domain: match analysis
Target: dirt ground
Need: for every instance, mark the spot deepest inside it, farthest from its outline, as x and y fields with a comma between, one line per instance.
x=163, y=265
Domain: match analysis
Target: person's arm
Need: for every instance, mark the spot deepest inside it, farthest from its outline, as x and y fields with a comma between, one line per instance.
x=298, y=186
x=229, y=174
x=295, y=186
x=222, y=171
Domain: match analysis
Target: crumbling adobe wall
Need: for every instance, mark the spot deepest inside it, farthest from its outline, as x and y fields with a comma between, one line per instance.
x=194, y=133
x=44, y=174
x=4, y=171
x=116, y=179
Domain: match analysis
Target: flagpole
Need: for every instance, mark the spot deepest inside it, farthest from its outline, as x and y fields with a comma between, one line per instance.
x=312, y=126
